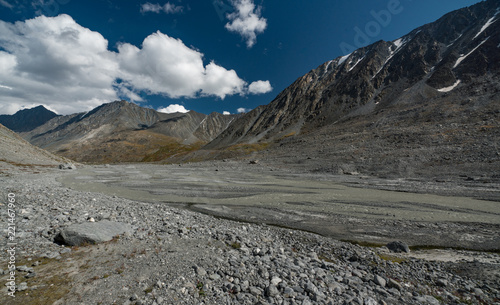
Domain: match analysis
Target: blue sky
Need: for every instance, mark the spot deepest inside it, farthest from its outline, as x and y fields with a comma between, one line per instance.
x=213, y=55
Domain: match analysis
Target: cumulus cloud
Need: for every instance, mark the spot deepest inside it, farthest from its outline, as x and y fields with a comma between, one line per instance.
x=167, y=8
x=165, y=65
x=57, y=62
x=246, y=20
x=173, y=108
x=260, y=87
x=243, y=110
x=226, y=113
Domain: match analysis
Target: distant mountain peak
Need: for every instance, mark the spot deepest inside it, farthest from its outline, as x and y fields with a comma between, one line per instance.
x=27, y=119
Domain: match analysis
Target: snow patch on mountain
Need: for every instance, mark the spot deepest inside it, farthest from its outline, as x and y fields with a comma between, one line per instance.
x=448, y=89
x=462, y=57
x=487, y=24
x=356, y=63
x=343, y=59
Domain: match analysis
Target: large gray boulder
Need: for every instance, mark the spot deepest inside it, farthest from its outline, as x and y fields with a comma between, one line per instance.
x=92, y=232
x=398, y=247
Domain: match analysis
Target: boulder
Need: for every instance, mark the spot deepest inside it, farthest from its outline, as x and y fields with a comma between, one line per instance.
x=67, y=166
x=398, y=247
x=92, y=232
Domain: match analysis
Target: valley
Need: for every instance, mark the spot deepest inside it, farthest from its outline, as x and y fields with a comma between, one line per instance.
x=337, y=206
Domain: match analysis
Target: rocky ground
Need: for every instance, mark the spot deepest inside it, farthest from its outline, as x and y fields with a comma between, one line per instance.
x=177, y=256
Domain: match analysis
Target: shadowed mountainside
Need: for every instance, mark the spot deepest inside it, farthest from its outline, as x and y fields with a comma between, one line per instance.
x=27, y=119
x=426, y=103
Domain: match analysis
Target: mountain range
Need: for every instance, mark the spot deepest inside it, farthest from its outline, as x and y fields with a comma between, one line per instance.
x=427, y=103
x=125, y=132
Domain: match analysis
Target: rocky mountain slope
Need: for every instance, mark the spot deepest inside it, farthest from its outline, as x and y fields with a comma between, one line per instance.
x=430, y=98
x=14, y=150
x=27, y=119
x=124, y=132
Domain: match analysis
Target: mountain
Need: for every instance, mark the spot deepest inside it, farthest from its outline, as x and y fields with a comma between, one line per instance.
x=125, y=132
x=428, y=99
x=27, y=119
x=14, y=150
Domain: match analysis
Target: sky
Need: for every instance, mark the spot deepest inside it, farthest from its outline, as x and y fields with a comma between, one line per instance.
x=228, y=56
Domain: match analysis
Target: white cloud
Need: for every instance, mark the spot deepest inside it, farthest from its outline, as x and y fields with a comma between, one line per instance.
x=243, y=110
x=165, y=65
x=226, y=113
x=173, y=108
x=57, y=62
x=246, y=20
x=260, y=87
x=167, y=8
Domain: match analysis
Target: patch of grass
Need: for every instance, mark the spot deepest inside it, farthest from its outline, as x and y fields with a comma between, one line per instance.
x=326, y=259
x=391, y=258
x=199, y=286
x=170, y=150
x=236, y=245
x=291, y=134
x=247, y=148
x=51, y=283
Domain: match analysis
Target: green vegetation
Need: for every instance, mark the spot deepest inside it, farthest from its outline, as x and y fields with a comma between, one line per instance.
x=236, y=245
x=171, y=149
x=247, y=148
x=391, y=258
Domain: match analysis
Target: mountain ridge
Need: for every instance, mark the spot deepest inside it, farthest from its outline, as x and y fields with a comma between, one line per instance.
x=432, y=87
x=16, y=151
x=124, y=132
x=27, y=119
x=375, y=76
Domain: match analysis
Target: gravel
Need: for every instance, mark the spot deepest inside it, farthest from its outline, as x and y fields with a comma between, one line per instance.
x=177, y=256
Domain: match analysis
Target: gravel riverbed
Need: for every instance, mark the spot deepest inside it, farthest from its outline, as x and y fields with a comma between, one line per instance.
x=178, y=256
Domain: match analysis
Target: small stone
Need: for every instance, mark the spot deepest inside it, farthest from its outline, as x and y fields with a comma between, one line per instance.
x=25, y=268
x=442, y=283
x=134, y=297
x=255, y=291
x=275, y=281
x=244, y=285
x=214, y=277
x=23, y=286
x=200, y=271
x=393, y=284
x=30, y=275
x=272, y=291
x=379, y=281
